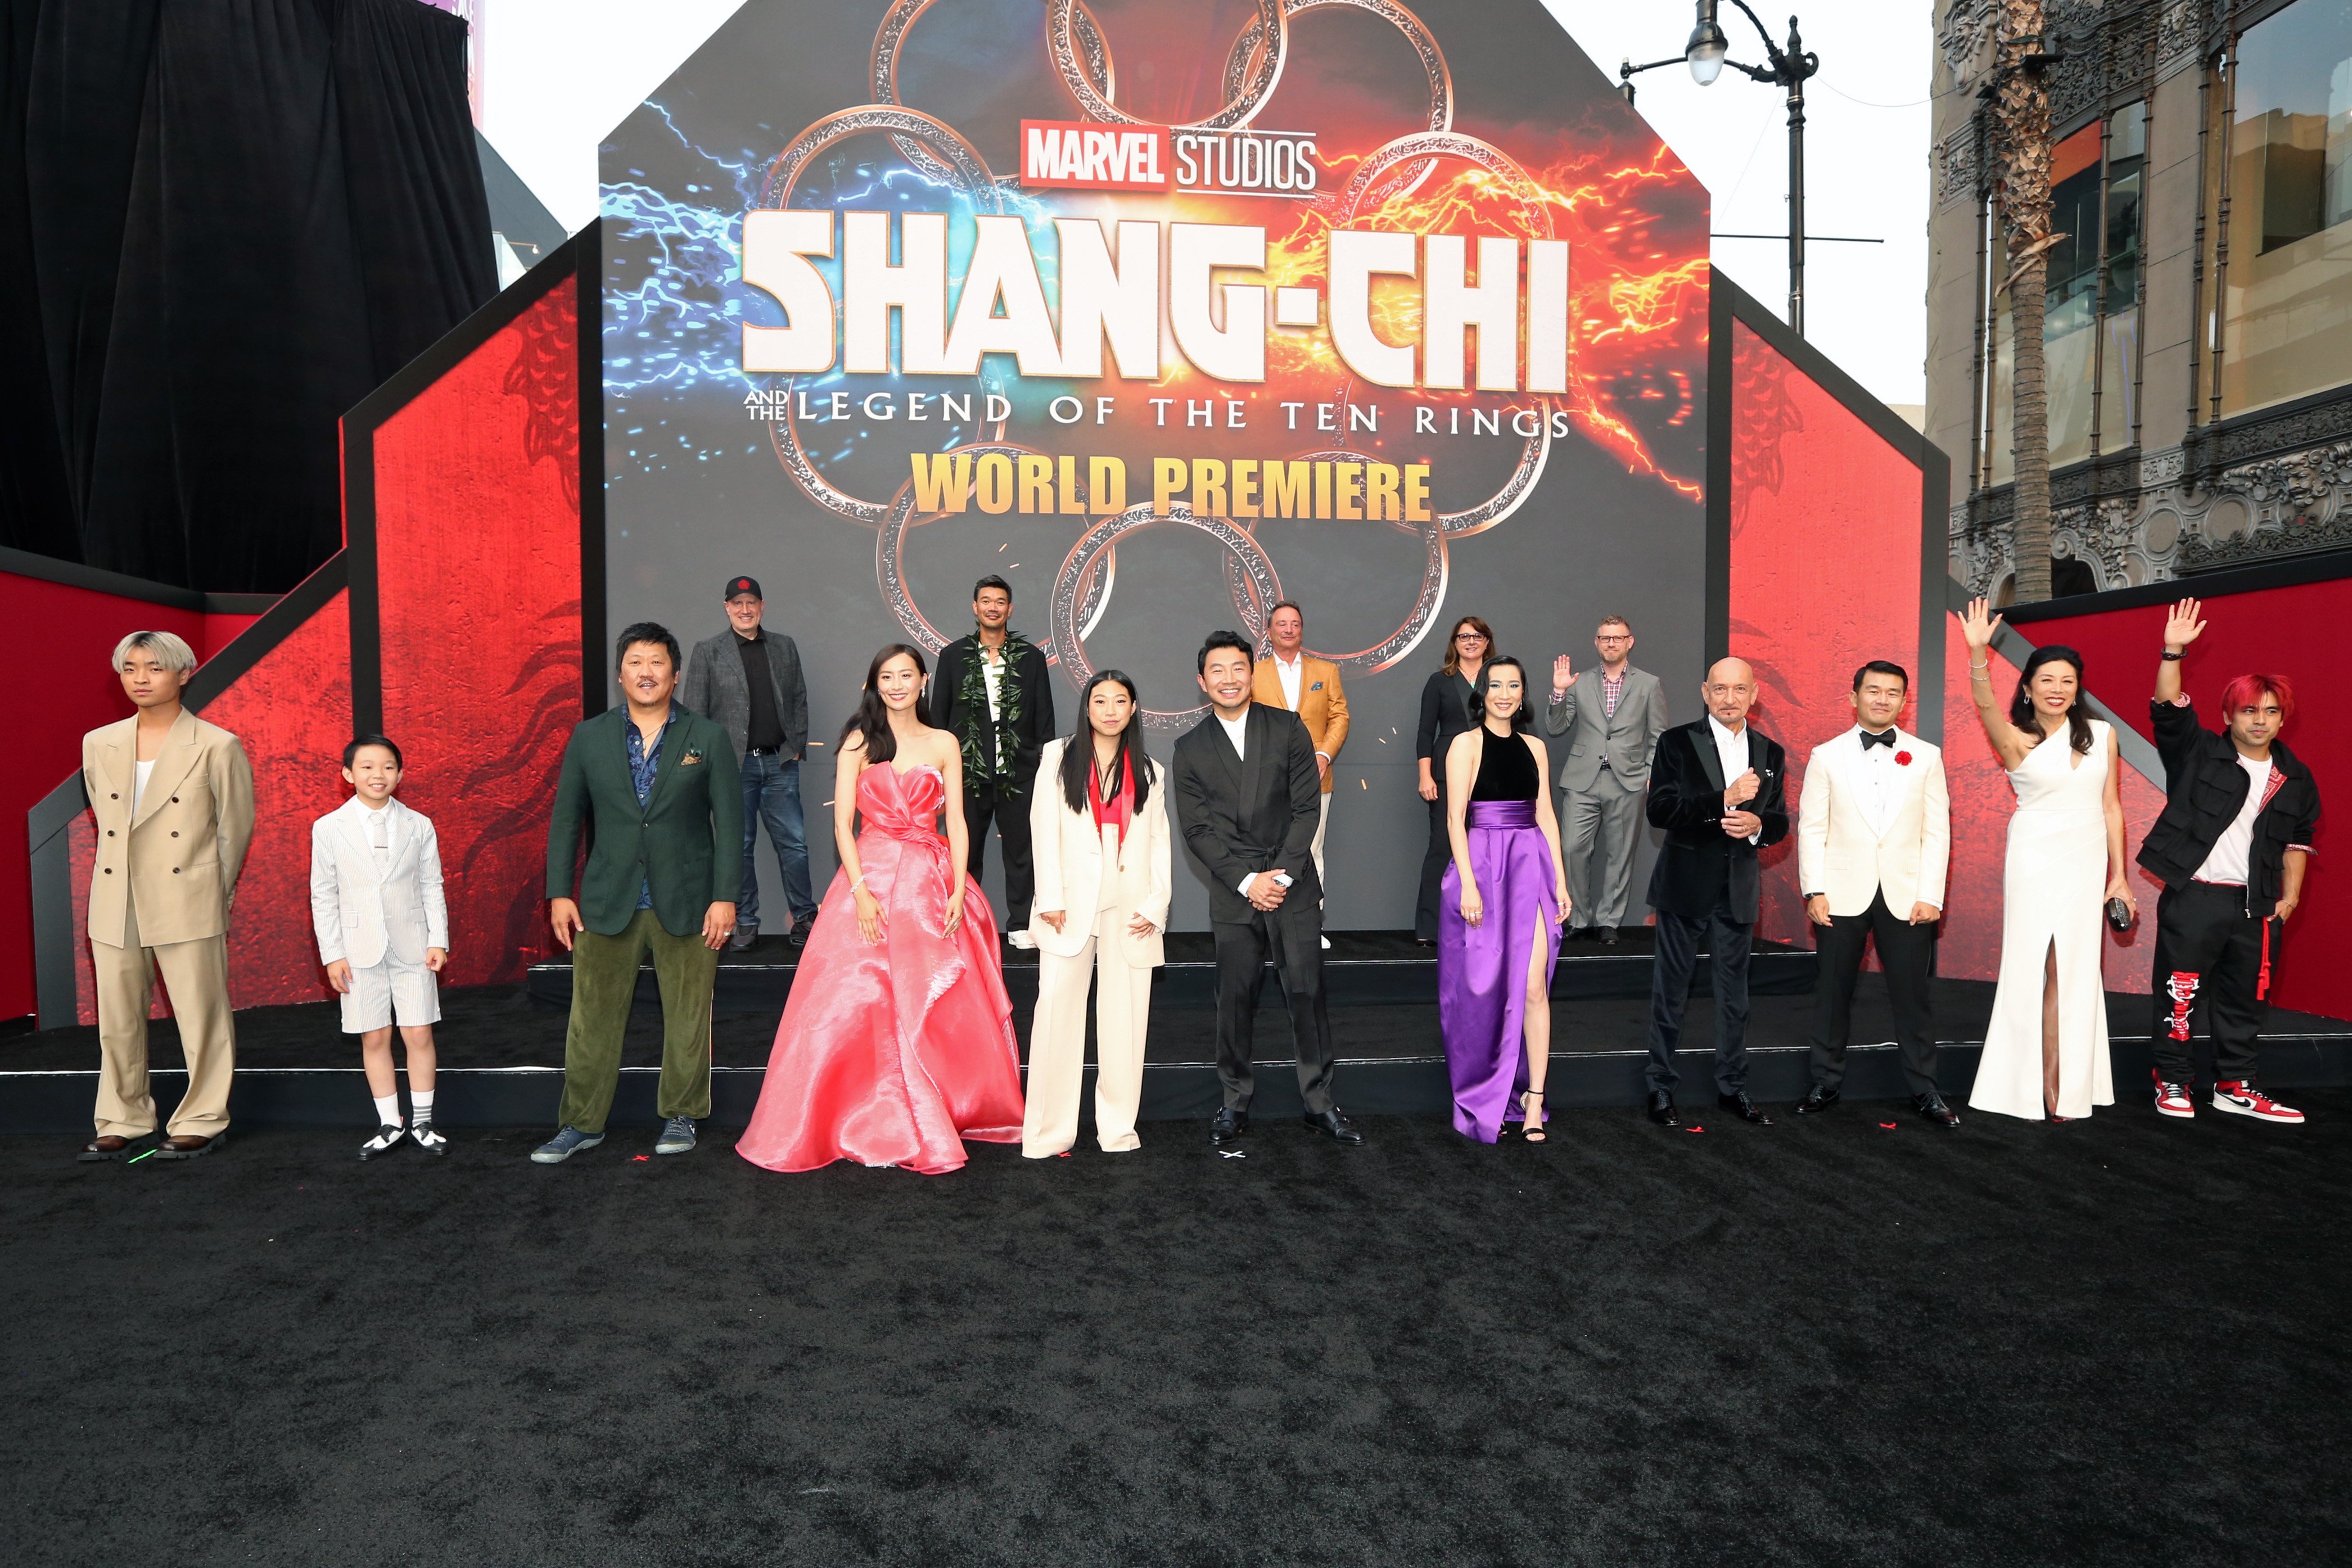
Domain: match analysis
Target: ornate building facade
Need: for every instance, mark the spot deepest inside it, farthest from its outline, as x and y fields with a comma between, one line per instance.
x=2200, y=321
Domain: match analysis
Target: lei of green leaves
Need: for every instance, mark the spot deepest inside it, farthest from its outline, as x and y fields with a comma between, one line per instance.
x=973, y=699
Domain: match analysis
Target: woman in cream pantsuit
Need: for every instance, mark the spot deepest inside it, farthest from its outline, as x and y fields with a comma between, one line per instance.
x=1098, y=829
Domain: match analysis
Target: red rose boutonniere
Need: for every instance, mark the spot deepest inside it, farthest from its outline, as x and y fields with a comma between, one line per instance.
x=1902, y=759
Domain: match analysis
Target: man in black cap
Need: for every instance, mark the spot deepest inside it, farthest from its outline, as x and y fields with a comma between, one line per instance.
x=748, y=681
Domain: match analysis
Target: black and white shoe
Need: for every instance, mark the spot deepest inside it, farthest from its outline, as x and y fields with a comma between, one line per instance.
x=385, y=1137
x=426, y=1137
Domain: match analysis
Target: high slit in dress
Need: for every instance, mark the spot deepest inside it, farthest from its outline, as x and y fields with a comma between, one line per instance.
x=2053, y=893
x=1482, y=969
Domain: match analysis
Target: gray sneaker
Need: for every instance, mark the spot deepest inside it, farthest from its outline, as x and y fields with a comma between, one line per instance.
x=677, y=1136
x=564, y=1145
x=743, y=938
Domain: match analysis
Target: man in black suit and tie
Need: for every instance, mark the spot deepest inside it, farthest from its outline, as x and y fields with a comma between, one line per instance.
x=1719, y=790
x=1248, y=796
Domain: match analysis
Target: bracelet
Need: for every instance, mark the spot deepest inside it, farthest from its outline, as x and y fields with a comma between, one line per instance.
x=2168, y=656
x=858, y=883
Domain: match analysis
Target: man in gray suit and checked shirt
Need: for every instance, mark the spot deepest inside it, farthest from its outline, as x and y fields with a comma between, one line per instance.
x=748, y=681
x=1617, y=714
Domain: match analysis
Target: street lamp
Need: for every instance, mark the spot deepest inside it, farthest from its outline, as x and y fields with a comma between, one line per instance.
x=1706, y=49
x=1706, y=54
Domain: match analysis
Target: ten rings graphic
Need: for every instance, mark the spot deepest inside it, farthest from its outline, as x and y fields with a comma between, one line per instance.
x=1082, y=586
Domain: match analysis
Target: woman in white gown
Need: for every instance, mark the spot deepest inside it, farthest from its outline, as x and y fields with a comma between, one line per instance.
x=2045, y=1052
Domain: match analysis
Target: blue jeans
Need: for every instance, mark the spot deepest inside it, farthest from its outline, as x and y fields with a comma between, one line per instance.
x=772, y=793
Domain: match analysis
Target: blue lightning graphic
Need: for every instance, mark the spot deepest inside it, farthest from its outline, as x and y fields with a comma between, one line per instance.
x=675, y=304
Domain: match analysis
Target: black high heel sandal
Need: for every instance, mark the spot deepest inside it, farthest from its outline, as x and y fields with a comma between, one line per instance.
x=1531, y=1105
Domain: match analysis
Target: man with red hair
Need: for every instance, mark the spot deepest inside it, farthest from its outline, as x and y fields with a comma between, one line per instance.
x=2231, y=848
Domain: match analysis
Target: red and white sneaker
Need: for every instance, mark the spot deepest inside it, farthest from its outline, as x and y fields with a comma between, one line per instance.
x=2245, y=1099
x=2172, y=1099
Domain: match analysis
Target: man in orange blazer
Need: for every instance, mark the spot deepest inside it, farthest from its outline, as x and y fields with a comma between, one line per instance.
x=1308, y=686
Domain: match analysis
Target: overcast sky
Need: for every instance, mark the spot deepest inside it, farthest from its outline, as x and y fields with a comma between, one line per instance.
x=1866, y=123
x=561, y=73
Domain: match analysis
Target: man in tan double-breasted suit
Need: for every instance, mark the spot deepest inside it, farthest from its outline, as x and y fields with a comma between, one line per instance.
x=1308, y=686
x=174, y=799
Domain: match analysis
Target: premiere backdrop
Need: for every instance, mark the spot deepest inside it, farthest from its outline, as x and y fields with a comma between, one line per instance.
x=1052, y=290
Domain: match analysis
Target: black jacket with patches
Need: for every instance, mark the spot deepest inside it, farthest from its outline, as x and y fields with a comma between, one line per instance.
x=2205, y=789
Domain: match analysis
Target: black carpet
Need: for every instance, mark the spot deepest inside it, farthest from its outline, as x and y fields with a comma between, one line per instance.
x=2115, y=1342
x=500, y=1026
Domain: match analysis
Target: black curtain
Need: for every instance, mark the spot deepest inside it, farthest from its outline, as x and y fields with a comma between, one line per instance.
x=228, y=221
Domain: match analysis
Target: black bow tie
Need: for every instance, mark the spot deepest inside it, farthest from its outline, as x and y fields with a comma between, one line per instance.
x=1883, y=737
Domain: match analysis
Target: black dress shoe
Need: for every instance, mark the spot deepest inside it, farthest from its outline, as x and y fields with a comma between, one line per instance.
x=1332, y=1126
x=1817, y=1100
x=1226, y=1125
x=1741, y=1106
x=190, y=1145
x=1932, y=1106
x=1609, y=936
x=1662, y=1108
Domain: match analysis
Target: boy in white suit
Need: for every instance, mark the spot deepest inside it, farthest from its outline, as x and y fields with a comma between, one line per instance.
x=383, y=934
x=1874, y=840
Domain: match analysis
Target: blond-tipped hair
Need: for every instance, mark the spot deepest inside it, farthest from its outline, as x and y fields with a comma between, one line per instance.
x=170, y=650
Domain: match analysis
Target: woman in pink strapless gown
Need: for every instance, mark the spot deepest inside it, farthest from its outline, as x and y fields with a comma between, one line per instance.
x=893, y=1050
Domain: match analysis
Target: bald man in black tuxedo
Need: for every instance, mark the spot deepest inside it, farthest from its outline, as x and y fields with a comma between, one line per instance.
x=1719, y=789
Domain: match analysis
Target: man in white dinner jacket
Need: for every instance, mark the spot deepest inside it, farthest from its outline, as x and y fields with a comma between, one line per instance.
x=1874, y=840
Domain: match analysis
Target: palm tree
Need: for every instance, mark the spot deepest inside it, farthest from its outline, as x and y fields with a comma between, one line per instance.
x=2021, y=148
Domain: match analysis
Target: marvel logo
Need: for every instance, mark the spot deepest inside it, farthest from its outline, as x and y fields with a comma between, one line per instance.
x=1059, y=155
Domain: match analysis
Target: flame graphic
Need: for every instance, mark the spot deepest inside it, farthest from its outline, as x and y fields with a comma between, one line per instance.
x=1629, y=296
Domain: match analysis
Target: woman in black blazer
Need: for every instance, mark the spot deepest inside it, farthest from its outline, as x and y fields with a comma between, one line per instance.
x=1444, y=714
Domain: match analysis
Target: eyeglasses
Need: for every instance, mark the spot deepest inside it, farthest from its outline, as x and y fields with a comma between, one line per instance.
x=1469, y=636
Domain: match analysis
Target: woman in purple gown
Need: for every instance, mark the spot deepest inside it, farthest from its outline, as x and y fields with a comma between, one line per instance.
x=1499, y=915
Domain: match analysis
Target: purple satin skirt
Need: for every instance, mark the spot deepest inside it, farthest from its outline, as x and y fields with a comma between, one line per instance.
x=1482, y=970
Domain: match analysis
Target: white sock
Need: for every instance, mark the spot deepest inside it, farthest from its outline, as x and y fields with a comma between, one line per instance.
x=387, y=1110
x=420, y=1104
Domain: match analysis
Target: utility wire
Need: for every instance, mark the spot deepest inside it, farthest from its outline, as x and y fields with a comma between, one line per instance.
x=1867, y=104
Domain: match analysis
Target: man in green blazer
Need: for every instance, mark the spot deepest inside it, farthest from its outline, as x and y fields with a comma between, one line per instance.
x=659, y=786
